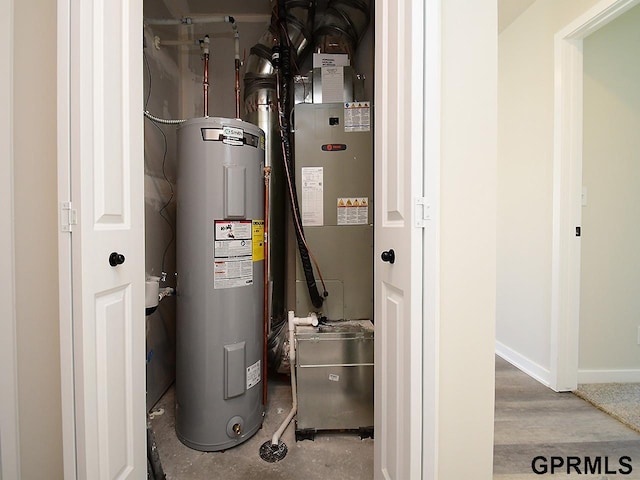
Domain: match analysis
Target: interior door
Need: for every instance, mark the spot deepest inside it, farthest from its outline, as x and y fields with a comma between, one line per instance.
x=106, y=150
x=398, y=239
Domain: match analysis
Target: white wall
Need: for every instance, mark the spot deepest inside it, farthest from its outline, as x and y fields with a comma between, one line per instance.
x=468, y=239
x=610, y=267
x=525, y=182
x=221, y=69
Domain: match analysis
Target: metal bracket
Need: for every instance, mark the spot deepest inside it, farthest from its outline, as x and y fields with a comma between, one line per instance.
x=423, y=212
x=68, y=217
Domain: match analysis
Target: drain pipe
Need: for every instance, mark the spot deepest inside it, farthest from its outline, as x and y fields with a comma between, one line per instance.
x=312, y=320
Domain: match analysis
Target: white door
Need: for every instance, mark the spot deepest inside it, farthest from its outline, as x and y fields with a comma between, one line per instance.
x=106, y=171
x=398, y=284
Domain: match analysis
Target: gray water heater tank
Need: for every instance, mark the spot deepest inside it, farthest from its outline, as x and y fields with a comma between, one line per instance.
x=220, y=264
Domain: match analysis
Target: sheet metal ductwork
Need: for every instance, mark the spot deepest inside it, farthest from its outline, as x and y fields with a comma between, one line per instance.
x=339, y=30
x=342, y=26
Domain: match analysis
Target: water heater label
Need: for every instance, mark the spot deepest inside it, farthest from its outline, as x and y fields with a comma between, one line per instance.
x=253, y=375
x=232, y=254
x=258, y=240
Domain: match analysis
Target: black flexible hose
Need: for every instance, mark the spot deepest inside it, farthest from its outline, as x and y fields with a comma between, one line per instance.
x=285, y=81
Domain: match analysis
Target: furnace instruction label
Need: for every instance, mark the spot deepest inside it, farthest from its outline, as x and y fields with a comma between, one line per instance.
x=353, y=211
x=253, y=375
x=312, y=196
x=232, y=254
x=357, y=116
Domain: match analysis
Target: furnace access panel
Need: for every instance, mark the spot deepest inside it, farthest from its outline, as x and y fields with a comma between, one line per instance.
x=334, y=181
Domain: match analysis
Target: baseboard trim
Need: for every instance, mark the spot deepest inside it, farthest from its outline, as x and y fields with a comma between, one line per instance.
x=609, y=376
x=523, y=363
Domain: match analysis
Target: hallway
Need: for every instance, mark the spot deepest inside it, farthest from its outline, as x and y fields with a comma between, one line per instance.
x=532, y=420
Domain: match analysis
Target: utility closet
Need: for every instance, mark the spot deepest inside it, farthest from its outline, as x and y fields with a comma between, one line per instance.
x=259, y=219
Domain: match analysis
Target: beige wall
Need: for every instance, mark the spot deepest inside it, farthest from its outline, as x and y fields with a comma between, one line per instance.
x=9, y=463
x=36, y=247
x=467, y=243
x=525, y=181
x=610, y=267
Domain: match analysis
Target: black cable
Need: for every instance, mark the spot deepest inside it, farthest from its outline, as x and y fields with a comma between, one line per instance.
x=146, y=62
x=284, y=80
x=164, y=173
x=164, y=207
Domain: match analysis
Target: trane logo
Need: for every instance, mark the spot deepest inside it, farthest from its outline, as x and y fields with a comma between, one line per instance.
x=334, y=147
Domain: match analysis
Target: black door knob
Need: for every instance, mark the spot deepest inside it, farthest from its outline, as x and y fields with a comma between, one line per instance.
x=388, y=256
x=116, y=259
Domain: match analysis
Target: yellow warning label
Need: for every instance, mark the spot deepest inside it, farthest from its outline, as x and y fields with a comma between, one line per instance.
x=258, y=240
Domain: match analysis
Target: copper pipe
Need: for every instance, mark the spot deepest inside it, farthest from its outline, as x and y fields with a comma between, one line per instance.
x=205, y=84
x=237, y=61
x=266, y=319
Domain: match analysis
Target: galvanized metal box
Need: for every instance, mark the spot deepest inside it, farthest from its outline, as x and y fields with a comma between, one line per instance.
x=334, y=370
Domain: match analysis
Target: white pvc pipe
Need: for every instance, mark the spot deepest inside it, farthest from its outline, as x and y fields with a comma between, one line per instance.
x=293, y=322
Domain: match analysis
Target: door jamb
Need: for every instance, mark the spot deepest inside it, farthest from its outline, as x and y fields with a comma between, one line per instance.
x=431, y=240
x=567, y=188
x=67, y=366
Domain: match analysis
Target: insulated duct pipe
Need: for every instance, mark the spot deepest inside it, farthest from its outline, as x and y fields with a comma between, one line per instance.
x=342, y=26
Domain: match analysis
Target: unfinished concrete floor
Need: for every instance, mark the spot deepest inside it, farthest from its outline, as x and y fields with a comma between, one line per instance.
x=330, y=455
x=530, y=420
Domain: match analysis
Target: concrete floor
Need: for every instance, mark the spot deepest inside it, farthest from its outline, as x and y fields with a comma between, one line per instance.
x=530, y=420
x=330, y=455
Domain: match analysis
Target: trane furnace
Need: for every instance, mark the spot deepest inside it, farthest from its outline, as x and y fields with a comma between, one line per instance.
x=334, y=182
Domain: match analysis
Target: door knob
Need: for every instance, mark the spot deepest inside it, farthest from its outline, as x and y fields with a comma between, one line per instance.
x=116, y=259
x=388, y=256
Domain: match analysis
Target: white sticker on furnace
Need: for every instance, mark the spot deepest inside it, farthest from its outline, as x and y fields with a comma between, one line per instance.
x=334, y=378
x=353, y=211
x=312, y=197
x=232, y=254
x=253, y=375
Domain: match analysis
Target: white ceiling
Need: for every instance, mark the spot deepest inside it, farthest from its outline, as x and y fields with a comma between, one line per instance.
x=509, y=10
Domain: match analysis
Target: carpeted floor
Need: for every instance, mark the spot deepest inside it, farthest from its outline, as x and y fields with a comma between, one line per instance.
x=620, y=400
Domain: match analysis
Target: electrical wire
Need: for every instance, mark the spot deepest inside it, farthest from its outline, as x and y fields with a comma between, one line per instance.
x=162, y=211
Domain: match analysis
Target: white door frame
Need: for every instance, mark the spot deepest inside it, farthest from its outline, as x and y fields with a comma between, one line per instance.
x=64, y=241
x=9, y=432
x=431, y=240
x=567, y=188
